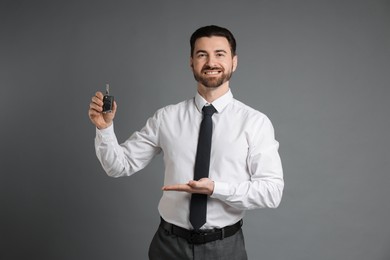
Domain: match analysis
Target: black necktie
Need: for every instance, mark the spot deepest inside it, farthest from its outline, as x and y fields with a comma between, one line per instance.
x=198, y=204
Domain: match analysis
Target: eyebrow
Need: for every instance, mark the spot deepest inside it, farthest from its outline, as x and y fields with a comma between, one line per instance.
x=200, y=51
x=216, y=51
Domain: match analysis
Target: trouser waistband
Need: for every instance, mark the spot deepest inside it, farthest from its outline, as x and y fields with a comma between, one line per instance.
x=201, y=236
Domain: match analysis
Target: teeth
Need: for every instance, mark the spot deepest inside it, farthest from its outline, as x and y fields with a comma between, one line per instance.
x=212, y=72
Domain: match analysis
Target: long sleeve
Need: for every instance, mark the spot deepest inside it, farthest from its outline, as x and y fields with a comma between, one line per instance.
x=265, y=186
x=132, y=155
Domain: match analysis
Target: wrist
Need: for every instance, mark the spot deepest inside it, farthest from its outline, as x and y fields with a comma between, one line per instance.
x=103, y=126
x=211, y=188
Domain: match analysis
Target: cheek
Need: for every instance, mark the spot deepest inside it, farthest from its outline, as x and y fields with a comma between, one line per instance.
x=196, y=66
x=228, y=66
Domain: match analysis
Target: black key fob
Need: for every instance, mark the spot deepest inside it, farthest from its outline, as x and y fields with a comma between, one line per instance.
x=108, y=101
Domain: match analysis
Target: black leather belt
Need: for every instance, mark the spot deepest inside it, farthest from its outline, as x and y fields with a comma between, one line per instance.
x=201, y=236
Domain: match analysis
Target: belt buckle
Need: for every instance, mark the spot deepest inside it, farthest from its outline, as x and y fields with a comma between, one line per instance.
x=197, y=237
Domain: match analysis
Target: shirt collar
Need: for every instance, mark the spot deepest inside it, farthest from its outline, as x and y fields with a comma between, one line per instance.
x=219, y=104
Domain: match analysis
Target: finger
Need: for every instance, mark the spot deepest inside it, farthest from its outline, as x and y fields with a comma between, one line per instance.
x=193, y=184
x=99, y=95
x=197, y=184
x=95, y=107
x=98, y=101
x=177, y=187
x=114, y=107
x=92, y=113
x=203, y=186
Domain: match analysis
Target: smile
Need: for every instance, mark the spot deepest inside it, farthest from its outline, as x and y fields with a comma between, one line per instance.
x=212, y=72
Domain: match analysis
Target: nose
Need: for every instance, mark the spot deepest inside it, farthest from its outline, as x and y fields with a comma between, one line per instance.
x=211, y=61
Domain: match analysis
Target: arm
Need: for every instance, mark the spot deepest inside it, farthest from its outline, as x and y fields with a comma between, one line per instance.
x=265, y=187
x=131, y=156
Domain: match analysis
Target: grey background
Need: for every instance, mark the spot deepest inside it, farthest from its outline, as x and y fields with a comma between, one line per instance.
x=318, y=69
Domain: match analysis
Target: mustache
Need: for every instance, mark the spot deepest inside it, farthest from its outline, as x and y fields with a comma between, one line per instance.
x=207, y=67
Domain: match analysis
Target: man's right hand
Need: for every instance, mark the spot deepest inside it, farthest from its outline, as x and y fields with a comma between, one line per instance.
x=99, y=119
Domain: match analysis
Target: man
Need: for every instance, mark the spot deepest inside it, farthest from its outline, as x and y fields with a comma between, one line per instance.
x=240, y=168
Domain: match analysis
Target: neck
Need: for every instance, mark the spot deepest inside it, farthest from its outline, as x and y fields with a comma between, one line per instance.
x=211, y=94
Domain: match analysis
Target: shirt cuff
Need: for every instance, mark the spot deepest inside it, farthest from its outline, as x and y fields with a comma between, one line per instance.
x=221, y=190
x=106, y=134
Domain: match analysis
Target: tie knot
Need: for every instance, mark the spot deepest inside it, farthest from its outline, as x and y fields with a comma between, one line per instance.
x=209, y=110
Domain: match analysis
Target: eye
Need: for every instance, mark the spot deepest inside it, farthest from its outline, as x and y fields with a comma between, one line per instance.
x=201, y=55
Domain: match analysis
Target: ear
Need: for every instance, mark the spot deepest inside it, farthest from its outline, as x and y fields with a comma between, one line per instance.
x=191, y=63
x=235, y=60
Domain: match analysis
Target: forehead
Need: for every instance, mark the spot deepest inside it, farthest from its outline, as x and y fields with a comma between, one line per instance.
x=211, y=44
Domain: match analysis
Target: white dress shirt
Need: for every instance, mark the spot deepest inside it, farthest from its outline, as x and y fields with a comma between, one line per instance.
x=244, y=165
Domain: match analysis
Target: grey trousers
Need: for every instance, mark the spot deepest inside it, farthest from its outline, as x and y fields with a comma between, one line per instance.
x=166, y=246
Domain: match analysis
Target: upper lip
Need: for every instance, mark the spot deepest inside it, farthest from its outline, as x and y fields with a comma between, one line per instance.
x=211, y=70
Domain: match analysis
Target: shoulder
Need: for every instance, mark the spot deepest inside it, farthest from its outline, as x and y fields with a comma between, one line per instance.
x=256, y=124
x=178, y=106
x=175, y=109
x=253, y=119
x=246, y=111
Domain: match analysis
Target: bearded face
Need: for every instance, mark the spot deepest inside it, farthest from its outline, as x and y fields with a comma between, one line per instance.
x=212, y=61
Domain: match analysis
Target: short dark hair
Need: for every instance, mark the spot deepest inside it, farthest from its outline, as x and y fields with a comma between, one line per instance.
x=213, y=30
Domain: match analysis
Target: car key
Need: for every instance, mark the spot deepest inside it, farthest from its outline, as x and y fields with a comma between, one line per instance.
x=108, y=101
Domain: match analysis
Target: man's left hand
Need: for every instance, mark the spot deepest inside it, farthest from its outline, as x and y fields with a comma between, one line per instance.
x=203, y=186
